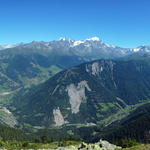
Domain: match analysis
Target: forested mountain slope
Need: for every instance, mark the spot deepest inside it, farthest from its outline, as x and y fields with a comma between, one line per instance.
x=92, y=93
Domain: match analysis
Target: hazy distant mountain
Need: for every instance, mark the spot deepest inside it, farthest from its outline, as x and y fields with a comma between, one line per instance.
x=143, y=48
x=9, y=46
x=90, y=49
x=139, y=52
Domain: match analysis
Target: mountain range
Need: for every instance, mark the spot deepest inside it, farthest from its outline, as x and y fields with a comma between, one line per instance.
x=24, y=65
x=93, y=48
x=9, y=46
x=66, y=83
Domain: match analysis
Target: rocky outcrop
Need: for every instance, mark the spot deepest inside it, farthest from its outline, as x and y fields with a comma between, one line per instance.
x=76, y=95
x=7, y=117
x=101, y=145
x=58, y=117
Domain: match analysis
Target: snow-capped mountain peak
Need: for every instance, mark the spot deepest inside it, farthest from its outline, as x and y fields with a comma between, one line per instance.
x=143, y=48
x=86, y=41
x=136, y=49
x=91, y=48
x=78, y=43
x=93, y=39
x=62, y=39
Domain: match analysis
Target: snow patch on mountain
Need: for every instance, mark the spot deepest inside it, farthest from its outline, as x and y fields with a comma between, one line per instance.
x=108, y=45
x=62, y=39
x=143, y=48
x=10, y=46
x=93, y=39
x=136, y=49
x=78, y=43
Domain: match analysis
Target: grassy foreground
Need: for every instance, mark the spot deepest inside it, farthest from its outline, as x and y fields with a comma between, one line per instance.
x=67, y=145
x=25, y=145
x=61, y=145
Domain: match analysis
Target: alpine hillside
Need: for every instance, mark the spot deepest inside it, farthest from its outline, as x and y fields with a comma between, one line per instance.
x=93, y=93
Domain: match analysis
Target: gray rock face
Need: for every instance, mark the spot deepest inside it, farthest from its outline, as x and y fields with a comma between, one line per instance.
x=95, y=69
x=77, y=95
x=7, y=117
x=58, y=117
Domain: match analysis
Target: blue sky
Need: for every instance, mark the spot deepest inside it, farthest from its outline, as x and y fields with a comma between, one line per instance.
x=124, y=23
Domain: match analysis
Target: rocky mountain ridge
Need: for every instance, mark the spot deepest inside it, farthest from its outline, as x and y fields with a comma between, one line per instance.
x=89, y=47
